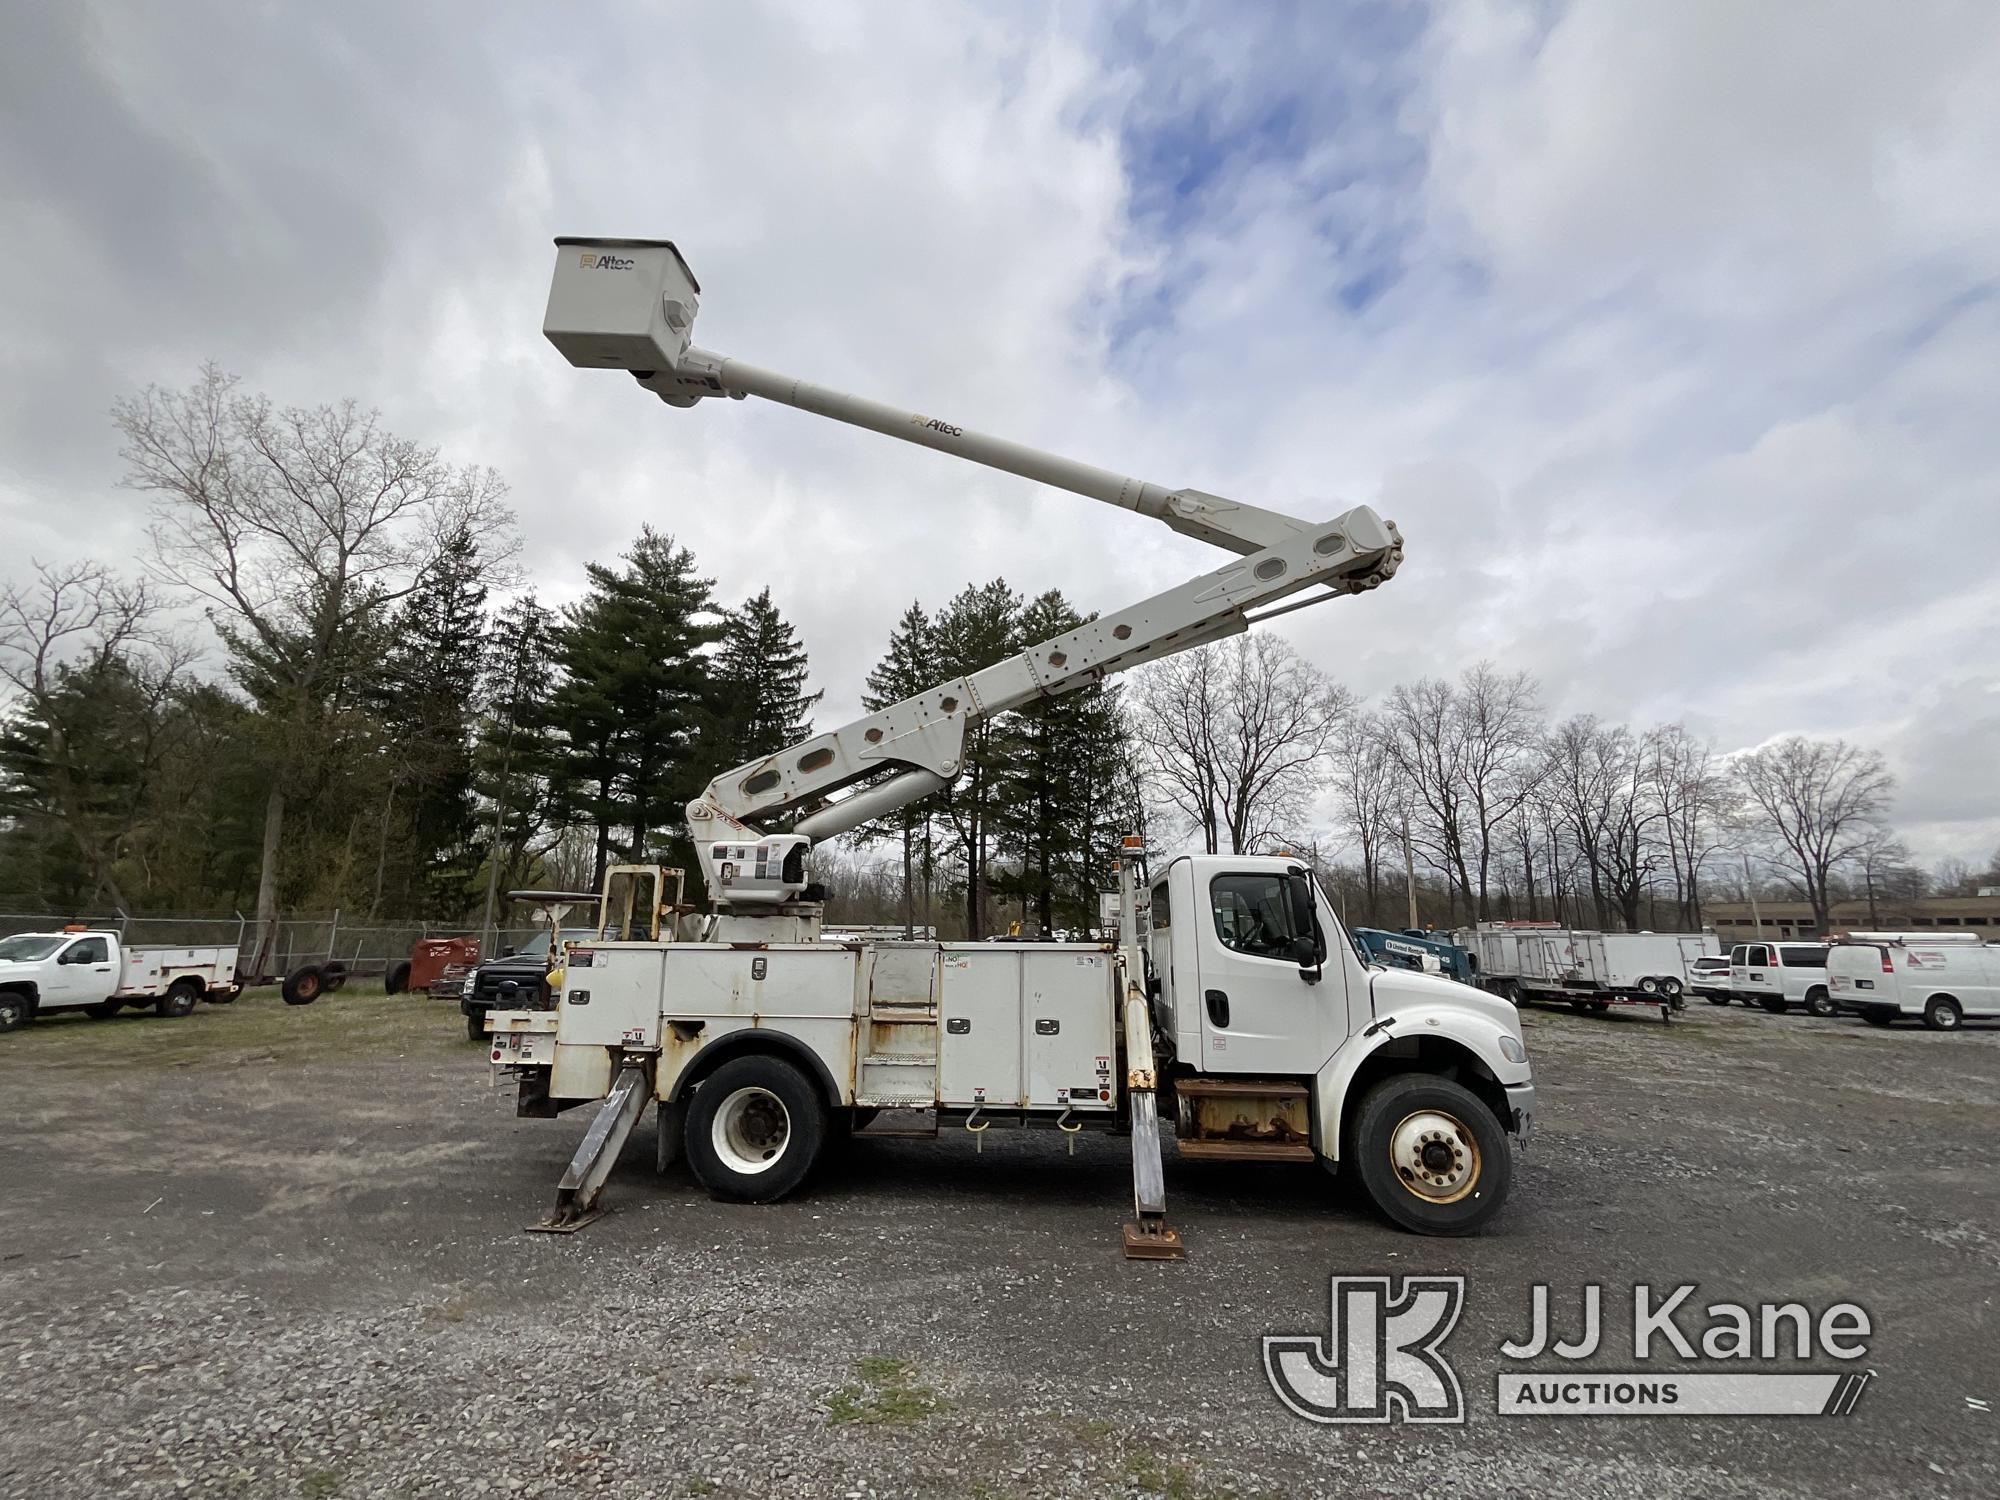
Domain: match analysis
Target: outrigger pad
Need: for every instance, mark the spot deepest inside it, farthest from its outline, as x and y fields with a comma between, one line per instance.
x=1153, y=1240
x=553, y=1225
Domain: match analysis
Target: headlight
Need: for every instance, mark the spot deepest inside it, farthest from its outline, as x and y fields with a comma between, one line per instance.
x=471, y=985
x=1511, y=1049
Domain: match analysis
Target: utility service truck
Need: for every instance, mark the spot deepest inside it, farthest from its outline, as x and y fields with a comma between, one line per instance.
x=94, y=972
x=1240, y=1005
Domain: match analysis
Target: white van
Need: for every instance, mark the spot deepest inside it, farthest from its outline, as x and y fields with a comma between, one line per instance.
x=1778, y=975
x=1942, y=977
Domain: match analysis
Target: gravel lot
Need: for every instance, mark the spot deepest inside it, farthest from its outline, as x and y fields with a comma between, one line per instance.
x=275, y=1252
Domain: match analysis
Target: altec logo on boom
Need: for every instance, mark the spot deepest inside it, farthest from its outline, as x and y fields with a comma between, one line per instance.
x=918, y=419
x=1383, y=1360
x=592, y=260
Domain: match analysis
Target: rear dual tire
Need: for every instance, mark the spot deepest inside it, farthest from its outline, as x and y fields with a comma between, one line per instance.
x=755, y=1127
x=180, y=999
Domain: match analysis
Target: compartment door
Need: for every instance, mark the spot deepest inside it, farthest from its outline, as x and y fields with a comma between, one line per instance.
x=1068, y=1028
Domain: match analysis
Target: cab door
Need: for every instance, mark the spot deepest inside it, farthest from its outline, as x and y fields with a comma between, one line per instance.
x=1259, y=1013
x=83, y=973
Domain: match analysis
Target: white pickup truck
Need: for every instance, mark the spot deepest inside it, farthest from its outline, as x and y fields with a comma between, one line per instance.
x=78, y=969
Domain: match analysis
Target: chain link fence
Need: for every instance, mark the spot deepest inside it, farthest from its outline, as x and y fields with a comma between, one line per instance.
x=366, y=947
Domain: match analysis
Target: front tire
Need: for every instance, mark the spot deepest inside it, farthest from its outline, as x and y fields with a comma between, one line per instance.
x=14, y=1012
x=1819, y=1003
x=754, y=1129
x=1941, y=1013
x=1671, y=987
x=475, y=1026
x=1433, y=1157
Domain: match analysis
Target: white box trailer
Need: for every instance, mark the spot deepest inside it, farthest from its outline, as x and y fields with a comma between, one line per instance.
x=1590, y=970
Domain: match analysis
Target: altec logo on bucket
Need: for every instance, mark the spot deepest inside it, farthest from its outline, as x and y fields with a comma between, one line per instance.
x=1383, y=1360
x=592, y=260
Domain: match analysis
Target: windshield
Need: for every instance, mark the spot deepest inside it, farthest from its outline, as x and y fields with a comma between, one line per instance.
x=538, y=946
x=29, y=945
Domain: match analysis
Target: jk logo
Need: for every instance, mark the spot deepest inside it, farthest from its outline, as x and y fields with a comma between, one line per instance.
x=1380, y=1362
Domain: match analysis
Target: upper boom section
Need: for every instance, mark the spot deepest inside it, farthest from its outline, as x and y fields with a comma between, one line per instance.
x=630, y=305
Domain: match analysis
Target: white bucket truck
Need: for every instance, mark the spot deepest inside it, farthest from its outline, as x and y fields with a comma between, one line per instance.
x=1242, y=1005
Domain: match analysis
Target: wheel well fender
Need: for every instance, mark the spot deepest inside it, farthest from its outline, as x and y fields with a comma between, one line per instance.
x=27, y=992
x=1342, y=1086
x=750, y=1042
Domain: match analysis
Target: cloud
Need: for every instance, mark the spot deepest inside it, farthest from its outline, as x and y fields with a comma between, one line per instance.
x=1665, y=331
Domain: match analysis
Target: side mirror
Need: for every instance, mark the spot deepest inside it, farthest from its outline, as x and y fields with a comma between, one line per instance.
x=509, y=952
x=1305, y=952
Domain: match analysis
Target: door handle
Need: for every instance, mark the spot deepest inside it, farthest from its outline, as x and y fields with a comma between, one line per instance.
x=1218, y=1009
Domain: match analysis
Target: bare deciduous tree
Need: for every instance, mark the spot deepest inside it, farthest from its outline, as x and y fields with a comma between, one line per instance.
x=1235, y=737
x=1470, y=754
x=1368, y=791
x=63, y=639
x=1817, y=804
x=298, y=527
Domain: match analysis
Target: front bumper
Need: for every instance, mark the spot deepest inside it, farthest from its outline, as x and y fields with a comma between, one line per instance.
x=1521, y=1110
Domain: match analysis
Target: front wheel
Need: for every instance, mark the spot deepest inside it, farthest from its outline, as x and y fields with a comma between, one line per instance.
x=1941, y=1013
x=1819, y=1003
x=754, y=1129
x=14, y=1012
x=1670, y=987
x=475, y=1025
x=1433, y=1157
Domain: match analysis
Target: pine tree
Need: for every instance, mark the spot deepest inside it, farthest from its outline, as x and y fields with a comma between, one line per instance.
x=1057, y=761
x=514, y=764
x=760, y=679
x=905, y=670
x=429, y=691
x=637, y=707
x=980, y=627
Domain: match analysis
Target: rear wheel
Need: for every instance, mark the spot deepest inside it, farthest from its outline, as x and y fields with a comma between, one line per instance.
x=398, y=978
x=1432, y=1156
x=1774, y=1004
x=1718, y=999
x=304, y=985
x=1819, y=1002
x=754, y=1129
x=1878, y=1017
x=1649, y=986
x=1941, y=1013
x=1670, y=987
x=182, y=996
x=333, y=976
x=14, y=1012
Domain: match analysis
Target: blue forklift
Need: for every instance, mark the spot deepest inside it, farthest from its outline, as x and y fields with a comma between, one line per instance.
x=1410, y=948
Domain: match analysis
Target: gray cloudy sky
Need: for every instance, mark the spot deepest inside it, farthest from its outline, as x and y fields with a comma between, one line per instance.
x=1668, y=332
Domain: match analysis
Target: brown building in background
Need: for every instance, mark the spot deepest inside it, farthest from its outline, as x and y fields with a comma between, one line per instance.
x=1733, y=923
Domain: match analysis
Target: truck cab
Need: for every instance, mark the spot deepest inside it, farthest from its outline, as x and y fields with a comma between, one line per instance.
x=1281, y=1037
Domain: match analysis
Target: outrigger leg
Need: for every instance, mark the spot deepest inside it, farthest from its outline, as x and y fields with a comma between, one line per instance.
x=1149, y=1236
x=577, y=1193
